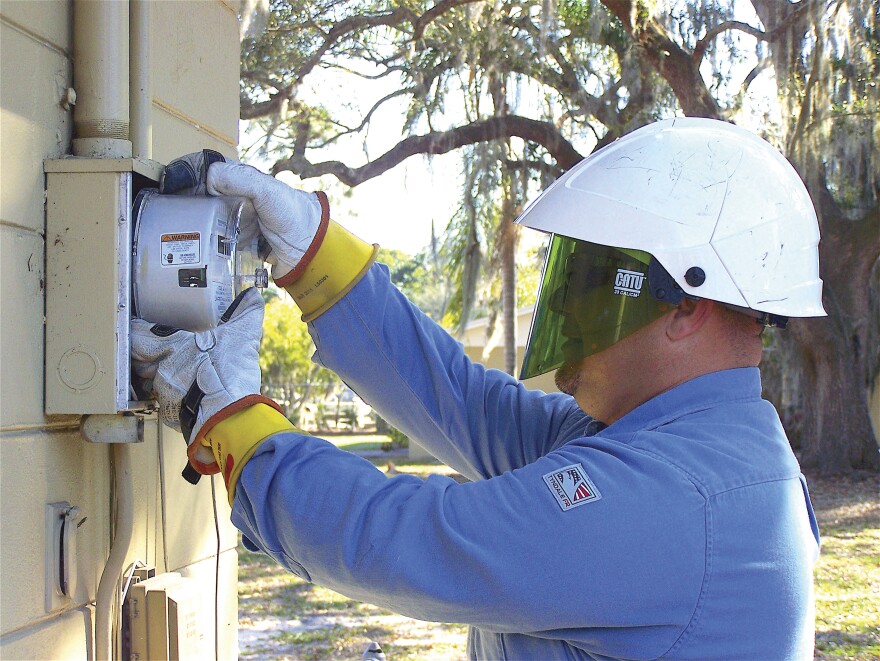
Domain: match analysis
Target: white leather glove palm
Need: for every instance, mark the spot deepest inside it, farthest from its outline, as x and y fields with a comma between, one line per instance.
x=202, y=378
x=289, y=219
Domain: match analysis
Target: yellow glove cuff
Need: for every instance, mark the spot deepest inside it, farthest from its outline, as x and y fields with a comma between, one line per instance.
x=235, y=439
x=340, y=261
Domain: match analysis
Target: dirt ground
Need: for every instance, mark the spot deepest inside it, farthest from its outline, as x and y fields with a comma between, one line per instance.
x=846, y=501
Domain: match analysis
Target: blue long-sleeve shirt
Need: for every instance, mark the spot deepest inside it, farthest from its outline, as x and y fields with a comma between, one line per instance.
x=682, y=531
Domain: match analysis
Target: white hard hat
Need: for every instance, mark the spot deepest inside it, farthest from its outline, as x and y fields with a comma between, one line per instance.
x=721, y=210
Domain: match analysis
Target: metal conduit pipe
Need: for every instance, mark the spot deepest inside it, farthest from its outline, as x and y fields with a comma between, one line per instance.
x=107, y=587
x=141, y=97
x=100, y=78
x=101, y=130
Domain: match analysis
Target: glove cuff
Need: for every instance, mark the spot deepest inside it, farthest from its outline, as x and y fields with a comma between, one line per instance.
x=337, y=265
x=297, y=271
x=235, y=439
x=200, y=438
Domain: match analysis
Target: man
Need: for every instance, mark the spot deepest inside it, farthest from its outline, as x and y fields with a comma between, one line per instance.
x=656, y=512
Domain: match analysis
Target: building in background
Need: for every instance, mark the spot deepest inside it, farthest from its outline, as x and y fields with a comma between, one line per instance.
x=484, y=345
x=186, y=91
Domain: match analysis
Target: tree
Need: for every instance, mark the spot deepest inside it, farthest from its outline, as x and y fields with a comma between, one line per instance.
x=473, y=48
x=289, y=375
x=420, y=277
x=526, y=88
x=826, y=58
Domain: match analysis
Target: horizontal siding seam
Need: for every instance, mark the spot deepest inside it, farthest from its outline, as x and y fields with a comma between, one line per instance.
x=40, y=39
x=48, y=618
x=11, y=224
x=196, y=124
x=41, y=427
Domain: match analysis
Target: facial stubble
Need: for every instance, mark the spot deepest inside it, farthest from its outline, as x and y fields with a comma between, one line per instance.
x=568, y=377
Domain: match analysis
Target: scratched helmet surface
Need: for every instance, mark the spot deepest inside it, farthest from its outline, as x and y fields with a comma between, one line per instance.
x=719, y=209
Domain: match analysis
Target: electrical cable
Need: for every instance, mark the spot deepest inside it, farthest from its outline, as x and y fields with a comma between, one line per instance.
x=216, y=574
x=160, y=436
x=134, y=566
x=216, y=530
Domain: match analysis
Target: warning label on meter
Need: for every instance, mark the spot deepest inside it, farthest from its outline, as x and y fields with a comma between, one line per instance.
x=180, y=248
x=222, y=297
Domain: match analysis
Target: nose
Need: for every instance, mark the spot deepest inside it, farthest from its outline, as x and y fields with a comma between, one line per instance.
x=558, y=301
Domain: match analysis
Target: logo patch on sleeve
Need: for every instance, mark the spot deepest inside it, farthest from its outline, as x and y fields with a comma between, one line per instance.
x=571, y=487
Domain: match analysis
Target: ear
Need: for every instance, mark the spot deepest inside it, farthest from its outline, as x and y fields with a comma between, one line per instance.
x=688, y=318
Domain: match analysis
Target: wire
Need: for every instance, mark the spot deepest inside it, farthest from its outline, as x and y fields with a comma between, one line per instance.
x=216, y=574
x=115, y=607
x=161, y=438
x=134, y=566
x=216, y=531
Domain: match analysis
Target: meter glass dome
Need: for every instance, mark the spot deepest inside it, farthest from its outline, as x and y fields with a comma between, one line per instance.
x=186, y=258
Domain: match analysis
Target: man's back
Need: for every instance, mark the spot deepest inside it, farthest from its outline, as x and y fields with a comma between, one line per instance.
x=706, y=463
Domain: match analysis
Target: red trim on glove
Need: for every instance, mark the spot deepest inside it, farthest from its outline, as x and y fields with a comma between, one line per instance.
x=293, y=276
x=218, y=417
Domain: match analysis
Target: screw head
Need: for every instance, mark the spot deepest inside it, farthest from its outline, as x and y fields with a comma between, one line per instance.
x=695, y=276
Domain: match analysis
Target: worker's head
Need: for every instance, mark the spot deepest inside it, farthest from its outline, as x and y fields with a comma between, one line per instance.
x=675, y=212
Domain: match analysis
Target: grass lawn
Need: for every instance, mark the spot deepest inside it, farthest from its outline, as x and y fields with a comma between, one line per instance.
x=848, y=574
x=283, y=617
x=359, y=442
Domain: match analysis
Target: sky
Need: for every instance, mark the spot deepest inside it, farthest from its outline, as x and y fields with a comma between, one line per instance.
x=396, y=209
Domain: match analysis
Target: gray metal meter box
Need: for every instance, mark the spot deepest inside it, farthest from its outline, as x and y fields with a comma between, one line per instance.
x=88, y=282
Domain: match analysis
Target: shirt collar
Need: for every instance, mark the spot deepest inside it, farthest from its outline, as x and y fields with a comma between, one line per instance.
x=697, y=394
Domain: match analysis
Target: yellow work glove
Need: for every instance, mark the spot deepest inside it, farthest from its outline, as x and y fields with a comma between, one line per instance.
x=327, y=273
x=235, y=439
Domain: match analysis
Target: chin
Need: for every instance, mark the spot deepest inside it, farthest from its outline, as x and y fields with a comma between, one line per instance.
x=568, y=377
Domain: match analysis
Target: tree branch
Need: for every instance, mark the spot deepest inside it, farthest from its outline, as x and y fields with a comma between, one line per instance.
x=339, y=31
x=806, y=104
x=711, y=33
x=670, y=60
x=437, y=10
x=494, y=128
x=736, y=106
x=392, y=18
x=251, y=110
x=367, y=117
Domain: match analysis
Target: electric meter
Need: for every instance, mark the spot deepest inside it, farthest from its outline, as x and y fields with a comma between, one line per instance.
x=188, y=264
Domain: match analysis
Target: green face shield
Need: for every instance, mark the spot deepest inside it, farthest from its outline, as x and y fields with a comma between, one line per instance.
x=591, y=296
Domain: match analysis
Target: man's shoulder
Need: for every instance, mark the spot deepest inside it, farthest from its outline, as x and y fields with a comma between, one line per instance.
x=725, y=446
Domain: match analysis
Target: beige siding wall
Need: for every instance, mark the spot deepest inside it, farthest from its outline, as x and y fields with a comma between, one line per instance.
x=194, y=70
x=195, y=78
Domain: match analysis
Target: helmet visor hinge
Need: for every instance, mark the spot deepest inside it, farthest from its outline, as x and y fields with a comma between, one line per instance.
x=663, y=286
